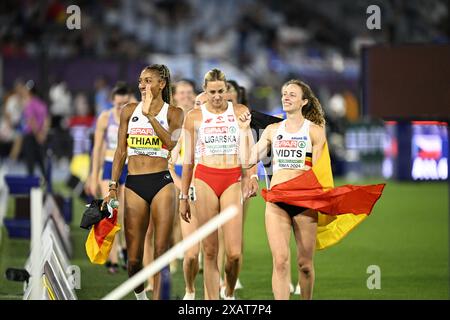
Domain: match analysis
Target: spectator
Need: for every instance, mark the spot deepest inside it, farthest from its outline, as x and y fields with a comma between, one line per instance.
x=10, y=136
x=35, y=128
x=102, y=101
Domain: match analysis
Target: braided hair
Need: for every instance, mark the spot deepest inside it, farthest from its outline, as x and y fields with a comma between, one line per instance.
x=164, y=74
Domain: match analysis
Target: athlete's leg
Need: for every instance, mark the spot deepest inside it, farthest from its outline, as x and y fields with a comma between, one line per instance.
x=121, y=215
x=148, y=251
x=190, y=261
x=232, y=235
x=136, y=220
x=163, y=213
x=207, y=207
x=176, y=234
x=221, y=254
x=244, y=215
x=305, y=230
x=278, y=227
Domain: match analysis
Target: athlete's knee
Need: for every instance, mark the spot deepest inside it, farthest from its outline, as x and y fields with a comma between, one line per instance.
x=281, y=263
x=306, y=266
x=190, y=258
x=234, y=256
x=134, y=265
x=210, y=252
x=160, y=249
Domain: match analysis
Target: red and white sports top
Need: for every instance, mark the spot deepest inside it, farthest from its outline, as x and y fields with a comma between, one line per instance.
x=142, y=138
x=292, y=150
x=219, y=133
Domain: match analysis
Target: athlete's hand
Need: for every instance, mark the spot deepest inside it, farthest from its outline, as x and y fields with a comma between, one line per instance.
x=253, y=187
x=148, y=98
x=244, y=120
x=87, y=186
x=249, y=187
x=112, y=194
x=185, y=211
x=91, y=186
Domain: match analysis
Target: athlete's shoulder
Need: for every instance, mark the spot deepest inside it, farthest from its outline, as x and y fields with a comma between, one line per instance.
x=317, y=132
x=103, y=117
x=274, y=126
x=175, y=109
x=195, y=113
x=175, y=114
x=240, y=109
x=128, y=109
x=316, y=128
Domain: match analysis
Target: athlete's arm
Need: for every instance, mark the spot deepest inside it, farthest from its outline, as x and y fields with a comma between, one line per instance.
x=259, y=150
x=175, y=118
x=121, y=152
x=120, y=156
x=100, y=129
x=318, y=139
x=174, y=154
x=190, y=140
x=246, y=137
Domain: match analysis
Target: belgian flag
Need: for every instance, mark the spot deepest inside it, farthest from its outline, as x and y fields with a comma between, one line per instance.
x=340, y=209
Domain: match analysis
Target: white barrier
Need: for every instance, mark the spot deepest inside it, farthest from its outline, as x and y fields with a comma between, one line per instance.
x=36, y=243
x=48, y=263
x=172, y=254
x=4, y=193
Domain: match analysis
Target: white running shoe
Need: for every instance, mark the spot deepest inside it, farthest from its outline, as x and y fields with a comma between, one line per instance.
x=298, y=291
x=291, y=288
x=189, y=296
x=223, y=295
x=200, y=262
x=141, y=295
x=238, y=285
x=173, y=266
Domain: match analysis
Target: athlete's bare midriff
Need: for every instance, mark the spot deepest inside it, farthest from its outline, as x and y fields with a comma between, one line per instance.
x=141, y=164
x=223, y=161
x=284, y=175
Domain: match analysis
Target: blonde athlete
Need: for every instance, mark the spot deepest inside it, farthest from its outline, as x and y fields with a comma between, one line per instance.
x=191, y=256
x=217, y=176
x=147, y=133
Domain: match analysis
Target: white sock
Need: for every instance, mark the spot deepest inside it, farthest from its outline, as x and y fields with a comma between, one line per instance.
x=141, y=295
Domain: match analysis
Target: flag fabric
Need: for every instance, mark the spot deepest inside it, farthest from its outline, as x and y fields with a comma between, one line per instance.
x=260, y=121
x=340, y=209
x=101, y=237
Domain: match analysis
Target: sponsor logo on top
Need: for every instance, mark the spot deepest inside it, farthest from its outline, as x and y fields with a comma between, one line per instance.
x=286, y=144
x=216, y=130
x=142, y=131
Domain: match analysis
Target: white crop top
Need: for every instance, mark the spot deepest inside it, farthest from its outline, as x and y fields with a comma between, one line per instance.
x=292, y=150
x=219, y=133
x=142, y=138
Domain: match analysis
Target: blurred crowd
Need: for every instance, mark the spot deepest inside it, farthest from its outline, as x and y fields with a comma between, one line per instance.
x=266, y=40
x=253, y=34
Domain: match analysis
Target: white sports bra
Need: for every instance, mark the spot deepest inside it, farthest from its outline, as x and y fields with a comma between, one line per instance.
x=219, y=133
x=142, y=138
x=292, y=150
